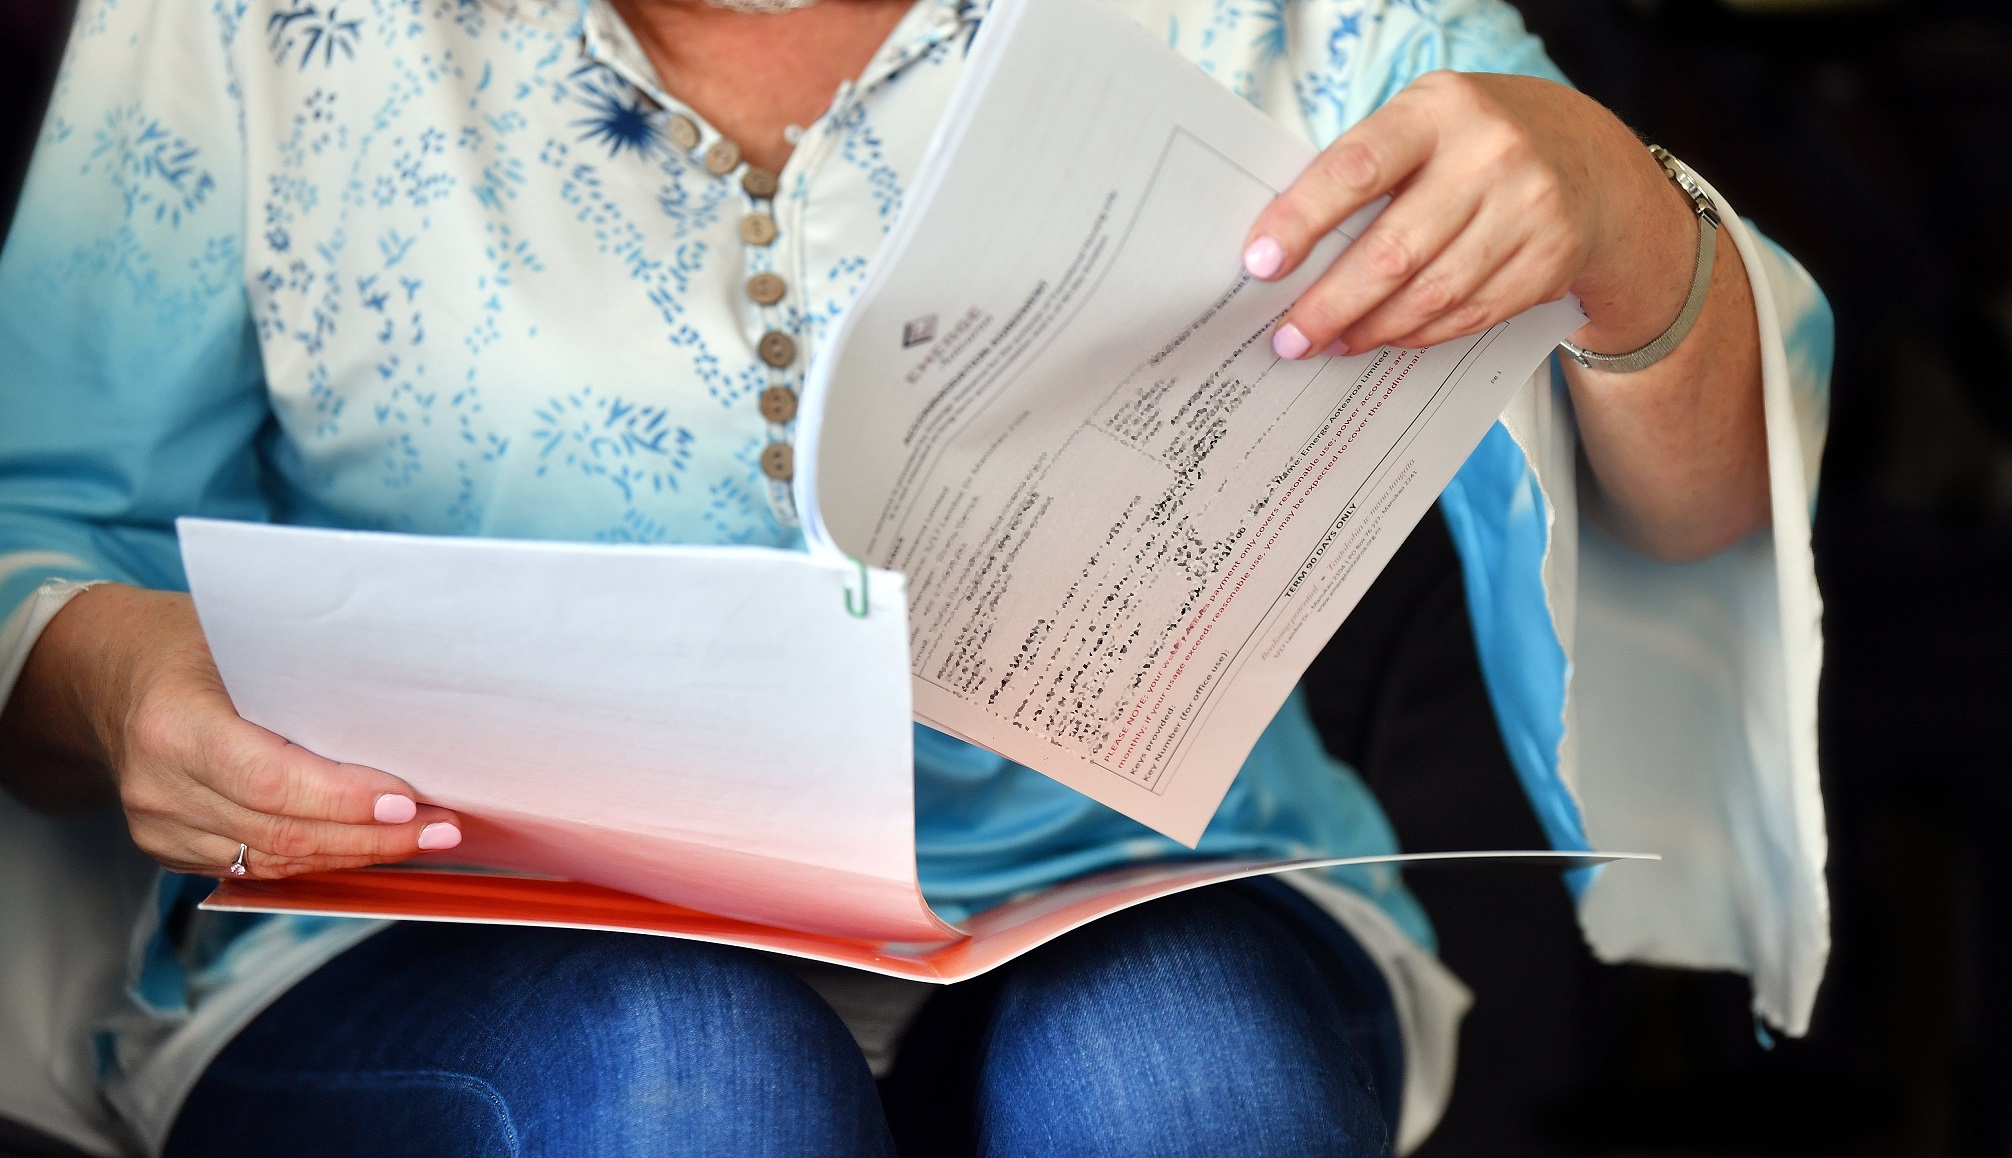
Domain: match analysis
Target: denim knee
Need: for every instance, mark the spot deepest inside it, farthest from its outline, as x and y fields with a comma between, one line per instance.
x=1196, y=1025
x=443, y=1041
x=692, y=1048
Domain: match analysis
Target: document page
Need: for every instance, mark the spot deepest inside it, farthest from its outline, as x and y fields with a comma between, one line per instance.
x=1127, y=527
x=717, y=728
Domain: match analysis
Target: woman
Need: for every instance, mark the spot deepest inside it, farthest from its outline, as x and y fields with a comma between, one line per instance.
x=454, y=268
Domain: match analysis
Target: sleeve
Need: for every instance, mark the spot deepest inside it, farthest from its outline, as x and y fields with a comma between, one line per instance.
x=1646, y=706
x=1691, y=713
x=130, y=387
x=1350, y=56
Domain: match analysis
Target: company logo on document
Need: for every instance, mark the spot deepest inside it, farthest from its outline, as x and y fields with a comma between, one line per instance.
x=918, y=331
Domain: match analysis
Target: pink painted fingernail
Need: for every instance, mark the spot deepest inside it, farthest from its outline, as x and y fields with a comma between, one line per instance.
x=393, y=808
x=1336, y=349
x=435, y=837
x=1288, y=342
x=1263, y=257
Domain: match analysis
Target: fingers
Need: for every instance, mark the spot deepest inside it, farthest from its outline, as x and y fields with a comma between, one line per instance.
x=265, y=773
x=1488, y=216
x=308, y=813
x=196, y=780
x=297, y=838
x=202, y=836
x=197, y=853
x=1404, y=263
x=1368, y=161
x=1443, y=292
x=1515, y=286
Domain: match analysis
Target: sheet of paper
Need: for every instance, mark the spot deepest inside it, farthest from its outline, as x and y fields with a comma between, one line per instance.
x=1127, y=526
x=992, y=938
x=706, y=727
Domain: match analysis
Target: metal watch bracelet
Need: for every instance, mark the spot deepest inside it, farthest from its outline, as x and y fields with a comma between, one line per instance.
x=1701, y=281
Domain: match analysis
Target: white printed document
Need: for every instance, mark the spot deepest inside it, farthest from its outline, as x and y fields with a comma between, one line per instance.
x=1127, y=526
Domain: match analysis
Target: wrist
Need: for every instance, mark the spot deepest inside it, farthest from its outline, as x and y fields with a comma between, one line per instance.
x=121, y=650
x=1638, y=274
x=97, y=662
x=52, y=752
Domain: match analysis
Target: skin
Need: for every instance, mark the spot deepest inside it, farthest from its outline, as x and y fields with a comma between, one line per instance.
x=750, y=75
x=1508, y=192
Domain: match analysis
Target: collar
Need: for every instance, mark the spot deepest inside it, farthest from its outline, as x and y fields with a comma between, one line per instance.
x=607, y=40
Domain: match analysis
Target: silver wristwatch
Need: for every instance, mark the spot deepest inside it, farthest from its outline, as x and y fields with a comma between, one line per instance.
x=1701, y=280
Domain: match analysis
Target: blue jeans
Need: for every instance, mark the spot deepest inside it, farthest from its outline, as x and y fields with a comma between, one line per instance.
x=1237, y=1019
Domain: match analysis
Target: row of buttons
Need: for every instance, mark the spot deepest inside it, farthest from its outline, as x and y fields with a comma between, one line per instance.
x=776, y=348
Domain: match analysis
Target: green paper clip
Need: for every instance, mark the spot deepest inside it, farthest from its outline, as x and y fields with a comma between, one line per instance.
x=857, y=610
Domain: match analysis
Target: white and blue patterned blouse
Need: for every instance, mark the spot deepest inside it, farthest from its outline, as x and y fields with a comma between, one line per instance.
x=459, y=267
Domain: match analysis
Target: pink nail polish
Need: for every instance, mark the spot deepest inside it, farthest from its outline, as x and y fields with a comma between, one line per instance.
x=1336, y=349
x=394, y=808
x=1288, y=342
x=435, y=837
x=1263, y=257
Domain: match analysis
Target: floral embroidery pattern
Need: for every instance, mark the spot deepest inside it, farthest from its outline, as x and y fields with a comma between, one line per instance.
x=619, y=118
x=152, y=168
x=313, y=30
x=630, y=445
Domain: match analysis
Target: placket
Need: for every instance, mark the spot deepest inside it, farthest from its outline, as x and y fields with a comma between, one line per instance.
x=770, y=227
x=771, y=321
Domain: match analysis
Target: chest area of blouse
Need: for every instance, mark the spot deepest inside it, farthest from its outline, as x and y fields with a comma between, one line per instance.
x=512, y=173
x=495, y=269
x=496, y=279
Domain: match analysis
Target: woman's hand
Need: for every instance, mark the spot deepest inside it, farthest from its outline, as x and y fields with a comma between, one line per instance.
x=120, y=695
x=1507, y=192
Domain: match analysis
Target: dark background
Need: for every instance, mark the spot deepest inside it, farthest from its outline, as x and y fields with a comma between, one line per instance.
x=1874, y=141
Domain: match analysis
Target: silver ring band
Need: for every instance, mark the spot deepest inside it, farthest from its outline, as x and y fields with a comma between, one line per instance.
x=238, y=865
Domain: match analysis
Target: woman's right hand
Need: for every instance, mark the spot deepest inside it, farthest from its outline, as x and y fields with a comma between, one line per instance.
x=120, y=696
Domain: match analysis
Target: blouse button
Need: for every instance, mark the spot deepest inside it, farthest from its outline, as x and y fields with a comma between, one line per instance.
x=776, y=348
x=778, y=404
x=684, y=132
x=758, y=182
x=778, y=461
x=722, y=156
x=766, y=288
x=757, y=229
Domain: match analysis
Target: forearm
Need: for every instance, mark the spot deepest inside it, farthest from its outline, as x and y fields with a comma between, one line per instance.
x=1678, y=450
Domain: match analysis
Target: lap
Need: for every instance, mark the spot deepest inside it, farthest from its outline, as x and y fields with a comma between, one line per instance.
x=1228, y=1020
x=447, y=1040
x=1237, y=1019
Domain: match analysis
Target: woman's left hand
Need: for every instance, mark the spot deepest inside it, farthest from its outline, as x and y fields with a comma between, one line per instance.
x=1506, y=192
